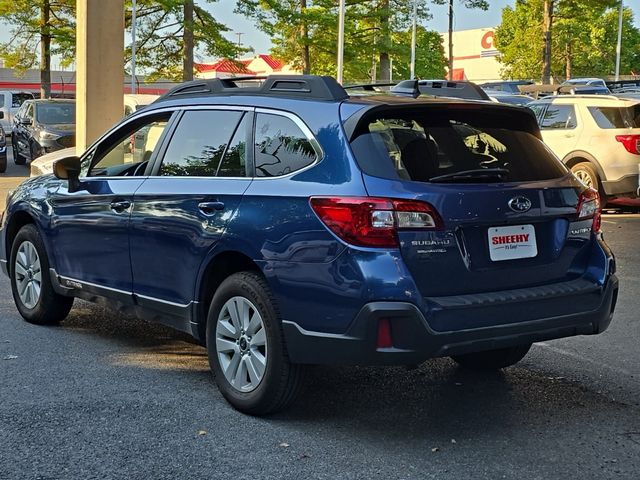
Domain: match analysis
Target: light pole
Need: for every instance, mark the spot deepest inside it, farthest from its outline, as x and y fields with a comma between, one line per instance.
x=133, y=46
x=619, y=45
x=413, y=39
x=341, y=15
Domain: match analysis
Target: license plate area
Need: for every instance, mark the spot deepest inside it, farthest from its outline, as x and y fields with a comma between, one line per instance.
x=512, y=242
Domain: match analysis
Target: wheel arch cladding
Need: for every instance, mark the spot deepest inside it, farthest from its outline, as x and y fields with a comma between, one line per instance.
x=18, y=220
x=217, y=270
x=575, y=158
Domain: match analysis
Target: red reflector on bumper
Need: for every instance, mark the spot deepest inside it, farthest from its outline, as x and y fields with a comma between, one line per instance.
x=384, y=333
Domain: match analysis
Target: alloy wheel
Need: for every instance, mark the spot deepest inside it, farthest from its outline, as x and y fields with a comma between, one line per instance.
x=28, y=274
x=241, y=344
x=584, y=177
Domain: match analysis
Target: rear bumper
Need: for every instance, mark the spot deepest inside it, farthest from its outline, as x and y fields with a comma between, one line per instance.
x=415, y=340
x=626, y=186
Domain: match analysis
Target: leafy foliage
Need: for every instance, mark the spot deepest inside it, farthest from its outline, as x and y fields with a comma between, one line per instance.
x=583, y=39
x=23, y=17
x=374, y=30
x=160, y=29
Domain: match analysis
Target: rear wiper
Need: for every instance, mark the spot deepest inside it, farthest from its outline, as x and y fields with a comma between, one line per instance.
x=478, y=173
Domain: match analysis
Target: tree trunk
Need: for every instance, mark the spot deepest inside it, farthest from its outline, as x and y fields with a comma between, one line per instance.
x=306, y=58
x=45, y=50
x=569, y=60
x=385, y=64
x=187, y=51
x=547, y=24
x=450, y=39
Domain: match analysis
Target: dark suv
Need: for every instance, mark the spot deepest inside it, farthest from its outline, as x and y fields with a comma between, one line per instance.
x=288, y=224
x=43, y=126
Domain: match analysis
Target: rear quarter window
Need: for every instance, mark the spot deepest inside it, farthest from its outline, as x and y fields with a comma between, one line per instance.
x=421, y=146
x=281, y=147
x=616, y=117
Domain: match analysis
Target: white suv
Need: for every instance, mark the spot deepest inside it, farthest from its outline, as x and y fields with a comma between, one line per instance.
x=597, y=136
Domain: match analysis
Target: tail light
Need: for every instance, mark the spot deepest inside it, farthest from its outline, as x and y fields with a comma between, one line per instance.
x=630, y=142
x=589, y=207
x=374, y=222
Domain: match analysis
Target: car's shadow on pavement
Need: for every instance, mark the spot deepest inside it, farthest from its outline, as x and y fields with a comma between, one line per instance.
x=437, y=400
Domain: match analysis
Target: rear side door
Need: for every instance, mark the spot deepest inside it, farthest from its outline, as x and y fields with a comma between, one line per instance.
x=181, y=211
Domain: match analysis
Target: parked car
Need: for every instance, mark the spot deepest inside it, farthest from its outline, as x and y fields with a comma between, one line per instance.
x=289, y=224
x=510, y=98
x=42, y=126
x=440, y=88
x=597, y=137
x=10, y=102
x=44, y=164
x=506, y=86
x=135, y=101
x=3, y=147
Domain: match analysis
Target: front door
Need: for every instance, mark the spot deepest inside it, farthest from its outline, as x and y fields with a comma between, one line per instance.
x=91, y=245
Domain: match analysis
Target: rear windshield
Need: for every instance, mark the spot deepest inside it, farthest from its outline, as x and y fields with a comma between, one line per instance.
x=616, y=117
x=442, y=147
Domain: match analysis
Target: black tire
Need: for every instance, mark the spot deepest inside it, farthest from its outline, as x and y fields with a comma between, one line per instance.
x=33, y=152
x=493, y=359
x=281, y=380
x=587, y=173
x=17, y=158
x=50, y=308
x=3, y=164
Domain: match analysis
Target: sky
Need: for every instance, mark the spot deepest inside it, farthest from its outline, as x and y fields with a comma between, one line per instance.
x=464, y=19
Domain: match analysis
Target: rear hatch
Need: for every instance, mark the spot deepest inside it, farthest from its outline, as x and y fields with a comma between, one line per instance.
x=507, y=207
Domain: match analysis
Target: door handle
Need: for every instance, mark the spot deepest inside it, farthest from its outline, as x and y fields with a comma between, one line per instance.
x=120, y=206
x=210, y=208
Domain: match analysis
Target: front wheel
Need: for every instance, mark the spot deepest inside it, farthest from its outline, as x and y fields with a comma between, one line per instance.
x=31, y=286
x=493, y=359
x=17, y=158
x=246, y=348
x=3, y=164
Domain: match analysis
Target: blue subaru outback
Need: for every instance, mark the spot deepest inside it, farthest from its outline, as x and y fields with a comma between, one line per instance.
x=286, y=223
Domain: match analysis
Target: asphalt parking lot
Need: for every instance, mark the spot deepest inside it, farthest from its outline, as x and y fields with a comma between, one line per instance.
x=109, y=396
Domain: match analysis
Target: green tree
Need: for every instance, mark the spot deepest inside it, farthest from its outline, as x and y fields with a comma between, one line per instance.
x=430, y=59
x=47, y=26
x=170, y=31
x=305, y=34
x=581, y=43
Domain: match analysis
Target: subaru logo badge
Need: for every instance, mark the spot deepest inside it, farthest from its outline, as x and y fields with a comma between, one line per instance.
x=520, y=204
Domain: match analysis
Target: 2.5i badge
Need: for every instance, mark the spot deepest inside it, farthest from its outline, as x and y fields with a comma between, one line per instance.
x=510, y=243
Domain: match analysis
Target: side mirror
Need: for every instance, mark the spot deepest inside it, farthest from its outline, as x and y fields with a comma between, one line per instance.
x=1, y=114
x=26, y=121
x=68, y=169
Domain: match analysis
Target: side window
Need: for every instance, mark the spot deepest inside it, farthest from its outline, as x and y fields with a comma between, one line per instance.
x=130, y=151
x=281, y=146
x=198, y=143
x=537, y=110
x=559, y=117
